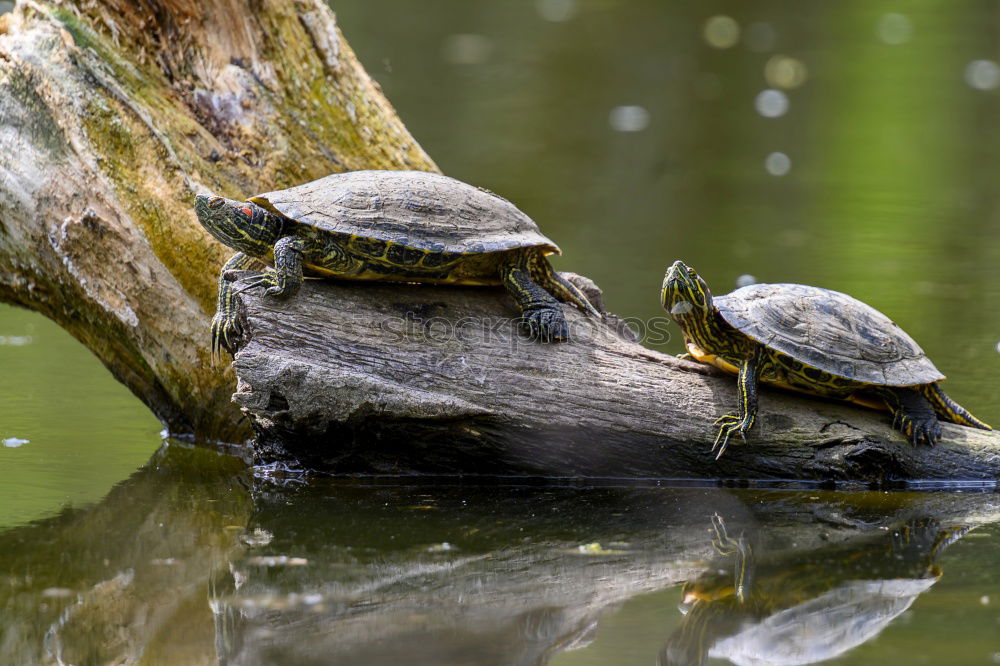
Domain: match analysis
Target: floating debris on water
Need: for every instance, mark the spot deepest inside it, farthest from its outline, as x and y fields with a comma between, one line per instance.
x=442, y=547
x=771, y=103
x=721, y=32
x=14, y=442
x=16, y=340
x=777, y=164
x=631, y=118
x=57, y=592
x=745, y=280
x=596, y=549
x=258, y=537
x=277, y=561
x=982, y=74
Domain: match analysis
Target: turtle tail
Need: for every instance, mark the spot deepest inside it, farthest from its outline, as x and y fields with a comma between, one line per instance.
x=564, y=290
x=949, y=410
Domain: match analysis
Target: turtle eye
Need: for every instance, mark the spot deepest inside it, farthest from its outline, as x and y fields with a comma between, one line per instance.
x=215, y=202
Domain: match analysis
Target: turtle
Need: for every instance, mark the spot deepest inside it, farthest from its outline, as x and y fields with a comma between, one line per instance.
x=812, y=340
x=409, y=226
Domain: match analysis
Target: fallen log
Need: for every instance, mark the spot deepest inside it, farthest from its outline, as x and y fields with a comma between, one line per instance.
x=409, y=379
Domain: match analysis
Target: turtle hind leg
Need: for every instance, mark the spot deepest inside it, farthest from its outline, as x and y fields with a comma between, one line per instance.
x=541, y=315
x=949, y=410
x=912, y=414
x=564, y=290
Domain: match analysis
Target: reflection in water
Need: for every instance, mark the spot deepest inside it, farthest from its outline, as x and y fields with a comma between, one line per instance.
x=192, y=560
x=125, y=578
x=808, y=606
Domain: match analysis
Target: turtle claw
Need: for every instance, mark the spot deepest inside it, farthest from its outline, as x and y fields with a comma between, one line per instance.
x=225, y=332
x=730, y=424
x=545, y=325
x=260, y=280
x=918, y=431
x=269, y=280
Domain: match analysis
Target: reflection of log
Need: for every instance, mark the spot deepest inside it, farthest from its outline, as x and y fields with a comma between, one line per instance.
x=378, y=378
x=514, y=585
x=335, y=572
x=113, y=115
x=126, y=577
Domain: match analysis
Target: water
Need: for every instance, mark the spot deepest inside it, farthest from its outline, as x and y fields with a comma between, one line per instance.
x=77, y=431
x=192, y=560
x=853, y=147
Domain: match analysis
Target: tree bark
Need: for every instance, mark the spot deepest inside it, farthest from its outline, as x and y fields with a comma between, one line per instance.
x=386, y=379
x=113, y=115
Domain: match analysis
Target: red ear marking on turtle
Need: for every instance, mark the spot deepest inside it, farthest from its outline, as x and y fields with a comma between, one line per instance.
x=246, y=211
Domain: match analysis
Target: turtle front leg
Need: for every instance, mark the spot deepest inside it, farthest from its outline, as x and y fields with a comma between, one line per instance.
x=913, y=415
x=225, y=328
x=541, y=315
x=746, y=407
x=285, y=278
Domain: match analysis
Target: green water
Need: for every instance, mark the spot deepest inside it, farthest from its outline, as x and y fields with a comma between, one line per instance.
x=68, y=430
x=887, y=191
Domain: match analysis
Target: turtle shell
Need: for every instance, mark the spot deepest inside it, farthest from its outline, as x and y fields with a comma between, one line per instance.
x=830, y=331
x=417, y=209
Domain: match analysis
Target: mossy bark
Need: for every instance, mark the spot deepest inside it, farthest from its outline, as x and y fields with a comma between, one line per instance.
x=113, y=115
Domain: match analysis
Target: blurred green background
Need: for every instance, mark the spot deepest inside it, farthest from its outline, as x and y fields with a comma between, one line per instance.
x=850, y=145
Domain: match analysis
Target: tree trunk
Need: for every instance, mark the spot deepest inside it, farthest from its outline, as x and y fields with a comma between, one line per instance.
x=113, y=115
x=371, y=378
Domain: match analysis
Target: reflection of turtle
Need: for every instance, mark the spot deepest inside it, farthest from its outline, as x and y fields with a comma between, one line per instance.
x=813, y=340
x=805, y=607
x=406, y=226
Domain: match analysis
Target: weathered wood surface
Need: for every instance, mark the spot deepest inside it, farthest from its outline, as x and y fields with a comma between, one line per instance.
x=113, y=115
x=377, y=378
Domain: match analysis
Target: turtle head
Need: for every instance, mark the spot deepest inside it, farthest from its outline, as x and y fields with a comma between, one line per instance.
x=685, y=295
x=241, y=225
